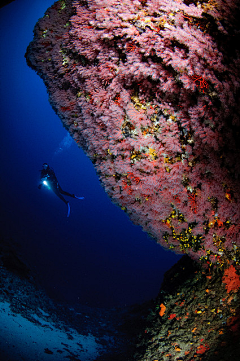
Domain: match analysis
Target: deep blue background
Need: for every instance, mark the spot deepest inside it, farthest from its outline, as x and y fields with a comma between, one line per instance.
x=95, y=257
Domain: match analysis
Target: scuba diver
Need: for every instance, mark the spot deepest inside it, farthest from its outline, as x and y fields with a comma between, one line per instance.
x=49, y=179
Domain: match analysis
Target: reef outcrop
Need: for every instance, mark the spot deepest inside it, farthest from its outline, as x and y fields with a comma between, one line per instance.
x=194, y=317
x=5, y=2
x=150, y=91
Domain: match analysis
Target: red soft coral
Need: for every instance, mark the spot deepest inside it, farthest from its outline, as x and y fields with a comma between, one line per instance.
x=231, y=279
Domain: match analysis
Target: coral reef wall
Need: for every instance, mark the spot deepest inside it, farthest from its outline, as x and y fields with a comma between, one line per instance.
x=150, y=90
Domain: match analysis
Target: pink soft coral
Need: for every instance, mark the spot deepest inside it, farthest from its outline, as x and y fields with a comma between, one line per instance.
x=150, y=91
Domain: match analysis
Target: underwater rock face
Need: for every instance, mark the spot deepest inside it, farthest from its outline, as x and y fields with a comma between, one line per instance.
x=150, y=91
x=5, y=2
x=194, y=317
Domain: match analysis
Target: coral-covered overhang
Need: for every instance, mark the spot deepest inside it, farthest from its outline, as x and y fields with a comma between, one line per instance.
x=150, y=91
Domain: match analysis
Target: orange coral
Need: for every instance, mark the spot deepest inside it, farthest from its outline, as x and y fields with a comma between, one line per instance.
x=231, y=279
x=162, y=309
x=173, y=315
x=202, y=348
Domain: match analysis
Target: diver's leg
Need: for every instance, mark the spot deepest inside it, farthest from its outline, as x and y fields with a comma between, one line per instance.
x=65, y=193
x=57, y=192
x=61, y=197
x=68, y=194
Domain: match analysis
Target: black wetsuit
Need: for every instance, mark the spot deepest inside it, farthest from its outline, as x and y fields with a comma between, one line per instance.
x=49, y=176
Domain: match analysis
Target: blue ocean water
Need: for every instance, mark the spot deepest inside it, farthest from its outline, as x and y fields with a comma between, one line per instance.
x=96, y=256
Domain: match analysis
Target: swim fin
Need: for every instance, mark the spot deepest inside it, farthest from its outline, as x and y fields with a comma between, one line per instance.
x=68, y=214
x=79, y=197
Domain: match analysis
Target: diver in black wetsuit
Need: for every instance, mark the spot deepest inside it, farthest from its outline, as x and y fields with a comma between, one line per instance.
x=49, y=179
